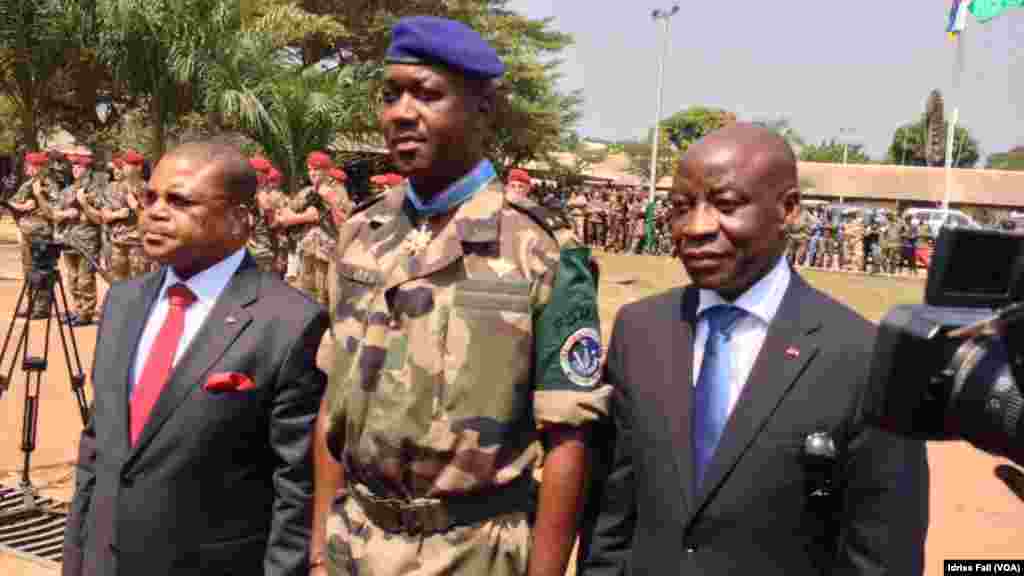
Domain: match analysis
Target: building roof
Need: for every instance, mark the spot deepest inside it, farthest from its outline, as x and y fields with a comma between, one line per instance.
x=914, y=184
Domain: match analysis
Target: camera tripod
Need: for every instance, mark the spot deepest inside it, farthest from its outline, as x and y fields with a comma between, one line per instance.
x=44, y=284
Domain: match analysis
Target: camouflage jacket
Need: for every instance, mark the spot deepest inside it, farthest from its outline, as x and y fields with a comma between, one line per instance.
x=262, y=240
x=299, y=203
x=452, y=354
x=35, y=222
x=81, y=230
x=125, y=231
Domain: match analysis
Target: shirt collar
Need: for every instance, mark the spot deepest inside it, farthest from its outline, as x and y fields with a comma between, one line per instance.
x=208, y=284
x=762, y=300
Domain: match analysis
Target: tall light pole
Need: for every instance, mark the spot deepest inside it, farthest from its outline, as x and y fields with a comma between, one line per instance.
x=846, y=148
x=663, y=16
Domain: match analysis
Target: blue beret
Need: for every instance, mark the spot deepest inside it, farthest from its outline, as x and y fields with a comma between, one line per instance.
x=432, y=40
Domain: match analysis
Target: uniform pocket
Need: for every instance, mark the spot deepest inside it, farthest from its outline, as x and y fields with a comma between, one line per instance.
x=488, y=347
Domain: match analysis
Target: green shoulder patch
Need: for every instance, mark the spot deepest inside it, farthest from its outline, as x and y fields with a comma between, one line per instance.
x=567, y=344
x=550, y=220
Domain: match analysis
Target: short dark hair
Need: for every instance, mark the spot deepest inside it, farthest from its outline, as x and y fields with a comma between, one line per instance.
x=233, y=172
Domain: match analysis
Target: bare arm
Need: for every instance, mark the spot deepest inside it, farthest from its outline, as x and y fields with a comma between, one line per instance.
x=328, y=480
x=561, y=497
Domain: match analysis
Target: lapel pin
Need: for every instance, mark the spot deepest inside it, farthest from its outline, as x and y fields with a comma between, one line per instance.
x=793, y=352
x=230, y=320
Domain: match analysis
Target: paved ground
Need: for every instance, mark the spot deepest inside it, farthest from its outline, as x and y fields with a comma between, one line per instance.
x=973, y=515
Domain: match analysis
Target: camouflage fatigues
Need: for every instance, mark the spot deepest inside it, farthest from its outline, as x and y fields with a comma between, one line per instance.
x=262, y=242
x=853, y=244
x=316, y=247
x=578, y=214
x=35, y=226
x=126, y=257
x=84, y=235
x=891, y=245
x=448, y=364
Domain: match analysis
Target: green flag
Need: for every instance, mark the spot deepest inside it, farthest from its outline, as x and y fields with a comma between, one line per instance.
x=985, y=10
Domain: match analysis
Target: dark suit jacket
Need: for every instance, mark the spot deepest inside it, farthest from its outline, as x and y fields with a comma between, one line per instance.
x=751, y=516
x=218, y=483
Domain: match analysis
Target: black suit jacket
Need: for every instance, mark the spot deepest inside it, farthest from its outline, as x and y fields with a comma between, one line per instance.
x=218, y=483
x=752, y=514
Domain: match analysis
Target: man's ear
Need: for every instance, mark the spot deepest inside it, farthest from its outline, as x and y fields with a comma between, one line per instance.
x=789, y=206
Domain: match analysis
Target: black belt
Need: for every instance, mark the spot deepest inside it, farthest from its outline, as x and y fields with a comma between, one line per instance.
x=436, y=515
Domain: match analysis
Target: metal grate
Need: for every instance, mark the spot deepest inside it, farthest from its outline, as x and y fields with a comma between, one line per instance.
x=37, y=532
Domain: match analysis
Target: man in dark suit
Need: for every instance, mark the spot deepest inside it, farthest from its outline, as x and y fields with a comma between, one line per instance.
x=196, y=458
x=730, y=395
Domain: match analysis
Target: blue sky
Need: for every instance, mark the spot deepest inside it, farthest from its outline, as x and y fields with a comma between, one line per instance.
x=867, y=65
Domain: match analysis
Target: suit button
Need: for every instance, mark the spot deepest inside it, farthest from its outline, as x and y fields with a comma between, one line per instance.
x=690, y=549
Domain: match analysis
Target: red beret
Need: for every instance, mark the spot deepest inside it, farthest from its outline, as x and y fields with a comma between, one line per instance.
x=274, y=176
x=519, y=175
x=379, y=180
x=260, y=164
x=338, y=174
x=318, y=160
x=80, y=160
x=37, y=158
x=132, y=157
x=117, y=162
x=393, y=179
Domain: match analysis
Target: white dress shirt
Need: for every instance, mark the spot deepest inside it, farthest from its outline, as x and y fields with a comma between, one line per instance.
x=761, y=301
x=207, y=287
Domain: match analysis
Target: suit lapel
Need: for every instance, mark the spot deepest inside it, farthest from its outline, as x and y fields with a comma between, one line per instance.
x=225, y=323
x=677, y=388
x=134, y=321
x=788, y=348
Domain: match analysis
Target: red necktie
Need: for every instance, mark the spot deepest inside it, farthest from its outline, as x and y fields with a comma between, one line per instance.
x=157, y=369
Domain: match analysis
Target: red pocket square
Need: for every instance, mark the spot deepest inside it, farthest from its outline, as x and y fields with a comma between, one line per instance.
x=228, y=382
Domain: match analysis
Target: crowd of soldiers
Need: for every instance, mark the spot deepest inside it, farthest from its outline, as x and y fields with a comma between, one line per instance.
x=95, y=217
x=860, y=241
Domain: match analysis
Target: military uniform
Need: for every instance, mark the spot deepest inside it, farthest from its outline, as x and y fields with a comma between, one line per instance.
x=577, y=213
x=310, y=240
x=262, y=244
x=83, y=235
x=34, y=226
x=853, y=244
x=452, y=355
x=126, y=257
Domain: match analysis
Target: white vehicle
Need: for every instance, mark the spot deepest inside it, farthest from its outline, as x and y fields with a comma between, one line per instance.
x=934, y=218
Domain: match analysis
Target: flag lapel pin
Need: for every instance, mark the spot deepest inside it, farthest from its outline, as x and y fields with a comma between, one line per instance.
x=792, y=352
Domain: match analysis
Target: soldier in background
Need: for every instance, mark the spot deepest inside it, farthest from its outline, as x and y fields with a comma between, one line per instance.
x=277, y=200
x=577, y=210
x=262, y=244
x=121, y=213
x=909, y=237
x=853, y=238
x=891, y=245
x=77, y=219
x=302, y=218
x=30, y=214
x=519, y=185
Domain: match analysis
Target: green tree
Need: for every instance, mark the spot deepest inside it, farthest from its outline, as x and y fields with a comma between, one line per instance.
x=36, y=39
x=1010, y=160
x=833, y=151
x=912, y=144
x=687, y=126
x=783, y=128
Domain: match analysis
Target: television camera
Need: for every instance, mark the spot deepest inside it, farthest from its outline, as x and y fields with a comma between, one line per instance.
x=953, y=367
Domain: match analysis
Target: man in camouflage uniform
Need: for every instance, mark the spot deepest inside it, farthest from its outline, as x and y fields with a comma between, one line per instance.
x=262, y=244
x=277, y=200
x=121, y=213
x=519, y=185
x=77, y=218
x=576, y=208
x=853, y=242
x=465, y=332
x=891, y=245
x=30, y=205
x=302, y=220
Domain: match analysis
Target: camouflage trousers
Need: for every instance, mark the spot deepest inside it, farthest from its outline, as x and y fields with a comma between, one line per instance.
x=127, y=261
x=313, y=278
x=496, y=547
x=266, y=262
x=82, y=285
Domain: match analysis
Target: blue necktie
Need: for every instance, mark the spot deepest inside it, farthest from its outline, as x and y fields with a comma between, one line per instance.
x=711, y=405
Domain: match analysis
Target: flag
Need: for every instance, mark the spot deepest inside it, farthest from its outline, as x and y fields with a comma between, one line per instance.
x=985, y=10
x=648, y=242
x=957, y=17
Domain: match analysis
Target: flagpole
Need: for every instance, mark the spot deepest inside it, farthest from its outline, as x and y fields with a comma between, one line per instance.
x=958, y=67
